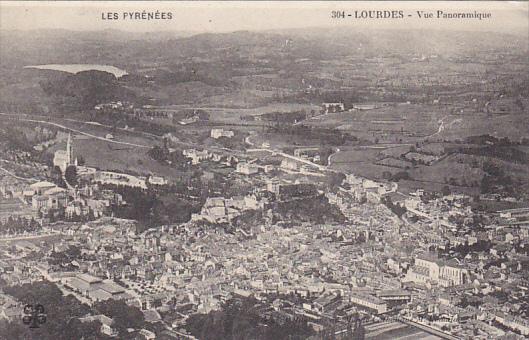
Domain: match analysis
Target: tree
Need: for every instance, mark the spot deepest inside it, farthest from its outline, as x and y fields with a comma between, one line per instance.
x=446, y=190
x=202, y=115
x=157, y=153
x=81, y=160
x=124, y=316
x=400, y=175
x=71, y=175
x=55, y=173
x=386, y=174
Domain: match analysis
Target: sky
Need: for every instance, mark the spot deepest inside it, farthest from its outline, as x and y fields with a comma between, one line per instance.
x=204, y=16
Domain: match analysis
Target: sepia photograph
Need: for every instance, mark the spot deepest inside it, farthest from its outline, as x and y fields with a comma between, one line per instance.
x=264, y=170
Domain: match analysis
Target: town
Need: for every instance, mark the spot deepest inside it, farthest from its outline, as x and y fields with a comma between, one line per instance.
x=425, y=259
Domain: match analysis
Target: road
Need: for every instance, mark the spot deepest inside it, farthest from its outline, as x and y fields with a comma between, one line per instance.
x=17, y=117
x=15, y=176
x=111, y=127
x=28, y=237
x=442, y=126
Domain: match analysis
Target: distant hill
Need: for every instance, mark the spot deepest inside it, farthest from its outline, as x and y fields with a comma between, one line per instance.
x=182, y=68
x=124, y=48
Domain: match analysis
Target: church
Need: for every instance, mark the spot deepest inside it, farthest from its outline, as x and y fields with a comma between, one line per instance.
x=64, y=158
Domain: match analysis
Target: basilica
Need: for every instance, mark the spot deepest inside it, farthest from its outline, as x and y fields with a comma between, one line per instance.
x=64, y=158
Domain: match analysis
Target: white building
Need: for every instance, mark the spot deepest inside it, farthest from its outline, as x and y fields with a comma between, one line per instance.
x=157, y=180
x=217, y=133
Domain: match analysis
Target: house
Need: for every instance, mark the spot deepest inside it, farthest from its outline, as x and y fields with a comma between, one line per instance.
x=323, y=303
x=39, y=187
x=307, y=153
x=157, y=180
x=247, y=168
x=54, y=198
x=289, y=164
x=146, y=334
x=196, y=155
x=218, y=133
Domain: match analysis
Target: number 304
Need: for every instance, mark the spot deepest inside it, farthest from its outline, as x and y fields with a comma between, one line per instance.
x=337, y=14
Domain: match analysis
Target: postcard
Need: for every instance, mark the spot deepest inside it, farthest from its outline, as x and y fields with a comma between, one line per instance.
x=264, y=170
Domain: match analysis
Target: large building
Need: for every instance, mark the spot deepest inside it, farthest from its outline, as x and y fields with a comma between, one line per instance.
x=429, y=269
x=95, y=288
x=369, y=302
x=64, y=158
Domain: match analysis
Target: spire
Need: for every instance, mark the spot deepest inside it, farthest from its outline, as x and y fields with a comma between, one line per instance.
x=69, y=153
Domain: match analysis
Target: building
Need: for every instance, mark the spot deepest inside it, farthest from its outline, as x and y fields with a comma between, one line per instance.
x=364, y=106
x=40, y=187
x=289, y=164
x=394, y=297
x=429, y=269
x=54, y=198
x=514, y=323
x=107, y=324
x=116, y=178
x=370, y=302
x=247, y=168
x=213, y=211
x=218, y=133
x=196, y=155
x=64, y=158
x=292, y=191
x=157, y=180
x=96, y=289
x=306, y=152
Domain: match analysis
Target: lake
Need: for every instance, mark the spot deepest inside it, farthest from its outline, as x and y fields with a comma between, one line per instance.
x=75, y=68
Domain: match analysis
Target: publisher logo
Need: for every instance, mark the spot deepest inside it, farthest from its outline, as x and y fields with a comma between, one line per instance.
x=35, y=315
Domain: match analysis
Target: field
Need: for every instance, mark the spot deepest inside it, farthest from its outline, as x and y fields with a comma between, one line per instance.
x=400, y=123
x=361, y=162
x=107, y=156
x=232, y=114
